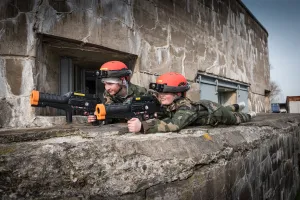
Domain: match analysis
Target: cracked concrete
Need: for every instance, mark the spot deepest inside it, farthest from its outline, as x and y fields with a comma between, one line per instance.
x=254, y=160
x=218, y=37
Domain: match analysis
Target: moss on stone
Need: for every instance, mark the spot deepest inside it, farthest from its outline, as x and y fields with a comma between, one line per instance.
x=64, y=133
x=7, y=150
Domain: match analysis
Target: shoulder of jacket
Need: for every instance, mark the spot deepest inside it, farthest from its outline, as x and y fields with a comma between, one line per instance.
x=183, y=103
x=137, y=88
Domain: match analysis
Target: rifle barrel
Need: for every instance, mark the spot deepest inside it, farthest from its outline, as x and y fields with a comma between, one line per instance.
x=36, y=97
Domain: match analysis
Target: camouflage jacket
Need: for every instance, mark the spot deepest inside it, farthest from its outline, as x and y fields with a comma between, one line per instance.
x=133, y=90
x=181, y=113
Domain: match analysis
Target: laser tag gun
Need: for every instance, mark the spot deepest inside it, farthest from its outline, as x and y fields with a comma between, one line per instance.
x=67, y=102
x=144, y=107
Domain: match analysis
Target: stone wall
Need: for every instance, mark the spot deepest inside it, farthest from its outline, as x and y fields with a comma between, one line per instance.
x=256, y=160
x=218, y=37
x=259, y=102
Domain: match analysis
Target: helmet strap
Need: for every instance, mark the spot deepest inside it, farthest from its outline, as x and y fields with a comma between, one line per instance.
x=176, y=97
x=121, y=87
x=124, y=84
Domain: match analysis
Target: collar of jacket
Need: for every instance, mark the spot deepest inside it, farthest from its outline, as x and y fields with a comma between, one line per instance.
x=130, y=90
x=173, y=106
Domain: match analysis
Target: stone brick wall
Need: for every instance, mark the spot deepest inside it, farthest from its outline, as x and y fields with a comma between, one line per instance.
x=255, y=160
x=218, y=37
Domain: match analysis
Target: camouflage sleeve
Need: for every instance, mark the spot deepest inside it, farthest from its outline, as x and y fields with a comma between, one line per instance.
x=107, y=99
x=183, y=117
x=152, y=93
x=144, y=91
x=137, y=90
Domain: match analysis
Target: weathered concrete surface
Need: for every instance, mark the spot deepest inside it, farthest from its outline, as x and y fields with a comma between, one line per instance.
x=217, y=37
x=256, y=160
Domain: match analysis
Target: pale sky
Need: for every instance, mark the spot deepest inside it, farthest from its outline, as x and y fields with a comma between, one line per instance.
x=281, y=18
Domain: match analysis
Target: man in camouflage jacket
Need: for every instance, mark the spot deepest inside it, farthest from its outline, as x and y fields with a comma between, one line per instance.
x=132, y=90
x=181, y=112
x=118, y=89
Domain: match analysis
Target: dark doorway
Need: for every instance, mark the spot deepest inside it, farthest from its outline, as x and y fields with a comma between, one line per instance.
x=69, y=65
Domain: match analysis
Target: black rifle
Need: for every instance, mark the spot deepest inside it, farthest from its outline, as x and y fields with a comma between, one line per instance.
x=144, y=107
x=67, y=102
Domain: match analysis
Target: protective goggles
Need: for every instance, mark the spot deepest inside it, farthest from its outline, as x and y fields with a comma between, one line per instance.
x=172, y=89
x=111, y=80
x=113, y=73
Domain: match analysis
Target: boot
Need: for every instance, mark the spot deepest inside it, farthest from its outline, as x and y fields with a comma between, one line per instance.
x=242, y=105
x=252, y=114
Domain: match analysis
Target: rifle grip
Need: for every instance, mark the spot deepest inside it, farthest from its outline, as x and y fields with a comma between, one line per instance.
x=95, y=123
x=69, y=116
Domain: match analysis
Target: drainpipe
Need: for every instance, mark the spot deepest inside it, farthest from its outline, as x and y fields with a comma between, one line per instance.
x=238, y=93
x=217, y=83
x=198, y=80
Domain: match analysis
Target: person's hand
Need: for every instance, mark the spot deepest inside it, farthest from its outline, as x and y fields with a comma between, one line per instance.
x=134, y=125
x=91, y=118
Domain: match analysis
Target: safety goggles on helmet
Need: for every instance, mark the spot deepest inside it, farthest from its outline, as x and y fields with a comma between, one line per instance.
x=113, y=73
x=111, y=80
x=165, y=88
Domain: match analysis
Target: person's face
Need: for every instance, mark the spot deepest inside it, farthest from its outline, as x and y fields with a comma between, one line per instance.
x=166, y=98
x=112, y=88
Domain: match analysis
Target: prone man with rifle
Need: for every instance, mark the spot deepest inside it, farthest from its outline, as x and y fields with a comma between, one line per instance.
x=181, y=112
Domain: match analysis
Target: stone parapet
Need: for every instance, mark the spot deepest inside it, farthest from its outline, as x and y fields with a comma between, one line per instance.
x=255, y=160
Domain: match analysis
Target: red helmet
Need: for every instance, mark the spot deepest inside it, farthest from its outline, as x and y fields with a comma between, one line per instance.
x=113, y=65
x=114, y=69
x=170, y=82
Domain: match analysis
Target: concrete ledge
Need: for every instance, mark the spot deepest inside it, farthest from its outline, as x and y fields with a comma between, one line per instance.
x=251, y=161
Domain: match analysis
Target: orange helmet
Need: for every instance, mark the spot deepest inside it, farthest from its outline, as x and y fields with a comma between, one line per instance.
x=114, y=69
x=170, y=82
x=113, y=65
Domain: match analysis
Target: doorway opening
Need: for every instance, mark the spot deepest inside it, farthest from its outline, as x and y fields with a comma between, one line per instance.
x=64, y=65
x=226, y=96
x=222, y=90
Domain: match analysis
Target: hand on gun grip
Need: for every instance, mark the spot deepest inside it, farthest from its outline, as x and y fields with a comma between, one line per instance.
x=134, y=125
x=159, y=115
x=91, y=118
x=153, y=93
